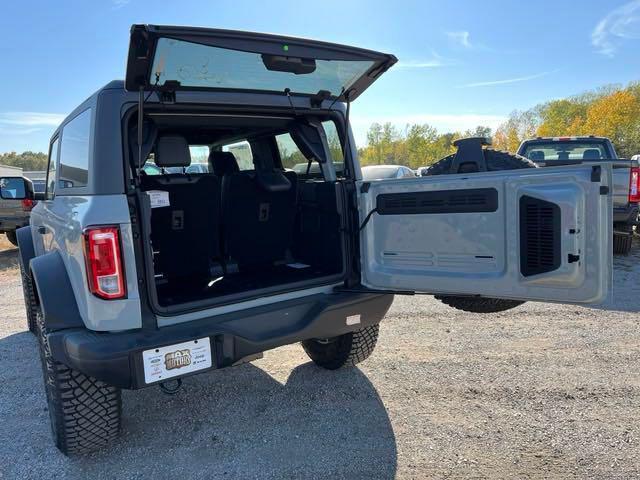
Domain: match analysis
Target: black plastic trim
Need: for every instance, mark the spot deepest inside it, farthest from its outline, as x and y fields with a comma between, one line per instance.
x=25, y=244
x=116, y=358
x=472, y=200
x=57, y=300
x=540, y=236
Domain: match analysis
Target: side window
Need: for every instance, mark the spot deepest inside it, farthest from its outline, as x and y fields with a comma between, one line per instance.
x=74, y=152
x=242, y=152
x=51, y=170
x=293, y=159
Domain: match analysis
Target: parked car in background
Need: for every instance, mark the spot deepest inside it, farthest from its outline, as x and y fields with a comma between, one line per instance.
x=38, y=179
x=554, y=151
x=422, y=171
x=380, y=172
x=13, y=215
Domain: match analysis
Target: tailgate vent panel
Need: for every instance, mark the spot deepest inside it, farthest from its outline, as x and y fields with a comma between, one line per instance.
x=472, y=200
x=540, y=232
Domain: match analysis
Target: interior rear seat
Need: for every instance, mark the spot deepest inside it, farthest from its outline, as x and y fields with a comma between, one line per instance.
x=258, y=212
x=186, y=234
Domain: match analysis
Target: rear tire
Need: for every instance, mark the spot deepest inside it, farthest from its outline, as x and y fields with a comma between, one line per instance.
x=30, y=303
x=495, y=161
x=12, y=237
x=85, y=413
x=342, y=351
x=622, y=241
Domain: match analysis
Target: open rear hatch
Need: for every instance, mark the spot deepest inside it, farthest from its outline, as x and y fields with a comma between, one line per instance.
x=188, y=58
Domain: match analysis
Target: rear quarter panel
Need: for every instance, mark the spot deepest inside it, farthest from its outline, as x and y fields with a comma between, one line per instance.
x=67, y=217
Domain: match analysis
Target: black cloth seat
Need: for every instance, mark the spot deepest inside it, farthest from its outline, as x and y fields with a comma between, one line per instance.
x=258, y=212
x=185, y=234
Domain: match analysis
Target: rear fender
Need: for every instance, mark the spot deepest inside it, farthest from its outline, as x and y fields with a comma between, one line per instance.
x=25, y=245
x=58, y=303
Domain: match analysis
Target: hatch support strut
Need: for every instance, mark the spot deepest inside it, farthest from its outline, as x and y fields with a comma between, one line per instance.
x=140, y=121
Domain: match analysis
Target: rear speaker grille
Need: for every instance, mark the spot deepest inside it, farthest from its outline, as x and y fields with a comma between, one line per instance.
x=540, y=233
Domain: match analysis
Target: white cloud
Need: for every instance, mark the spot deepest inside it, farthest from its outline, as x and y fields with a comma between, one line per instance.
x=434, y=61
x=619, y=25
x=442, y=122
x=119, y=3
x=30, y=119
x=505, y=81
x=18, y=131
x=461, y=38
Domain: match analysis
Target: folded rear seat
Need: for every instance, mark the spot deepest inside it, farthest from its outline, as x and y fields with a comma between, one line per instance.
x=185, y=234
x=258, y=213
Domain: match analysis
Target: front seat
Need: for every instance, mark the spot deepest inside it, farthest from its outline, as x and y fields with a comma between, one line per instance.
x=186, y=233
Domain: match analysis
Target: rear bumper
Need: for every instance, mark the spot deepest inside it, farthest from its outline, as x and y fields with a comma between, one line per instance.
x=9, y=224
x=116, y=358
x=627, y=214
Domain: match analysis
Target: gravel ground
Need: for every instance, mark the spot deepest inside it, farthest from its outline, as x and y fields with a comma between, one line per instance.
x=541, y=391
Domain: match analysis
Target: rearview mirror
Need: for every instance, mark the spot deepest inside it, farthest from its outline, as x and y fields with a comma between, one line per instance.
x=282, y=63
x=15, y=188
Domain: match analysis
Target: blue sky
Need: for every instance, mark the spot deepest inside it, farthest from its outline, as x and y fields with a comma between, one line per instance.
x=462, y=63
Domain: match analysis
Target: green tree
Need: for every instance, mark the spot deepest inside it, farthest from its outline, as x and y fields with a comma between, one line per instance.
x=25, y=160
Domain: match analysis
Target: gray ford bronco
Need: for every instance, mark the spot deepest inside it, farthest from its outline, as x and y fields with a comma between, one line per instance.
x=138, y=273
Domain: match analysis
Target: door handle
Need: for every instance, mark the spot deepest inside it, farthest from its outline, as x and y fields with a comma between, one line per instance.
x=42, y=230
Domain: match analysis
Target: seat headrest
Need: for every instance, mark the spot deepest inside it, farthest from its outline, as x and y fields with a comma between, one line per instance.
x=563, y=156
x=536, y=155
x=591, y=154
x=223, y=163
x=272, y=181
x=172, y=151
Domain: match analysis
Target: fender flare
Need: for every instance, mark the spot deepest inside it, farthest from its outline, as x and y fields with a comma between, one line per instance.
x=56, y=297
x=26, y=249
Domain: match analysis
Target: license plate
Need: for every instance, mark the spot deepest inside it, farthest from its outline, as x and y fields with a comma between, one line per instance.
x=174, y=360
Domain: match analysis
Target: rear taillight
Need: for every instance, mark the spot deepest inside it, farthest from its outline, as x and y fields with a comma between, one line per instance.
x=104, y=262
x=634, y=190
x=27, y=204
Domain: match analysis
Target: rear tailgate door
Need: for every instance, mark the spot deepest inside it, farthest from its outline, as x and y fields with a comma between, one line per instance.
x=188, y=58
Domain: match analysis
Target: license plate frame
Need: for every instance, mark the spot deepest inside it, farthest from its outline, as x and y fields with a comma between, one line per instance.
x=176, y=360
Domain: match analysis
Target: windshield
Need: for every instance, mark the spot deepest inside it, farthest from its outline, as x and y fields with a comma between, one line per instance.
x=566, y=150
x=196, y=65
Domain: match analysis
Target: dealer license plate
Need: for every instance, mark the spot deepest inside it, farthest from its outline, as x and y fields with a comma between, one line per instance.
x=171, y=361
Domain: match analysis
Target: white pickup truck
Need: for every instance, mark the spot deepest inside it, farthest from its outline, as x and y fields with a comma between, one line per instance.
x=554, y=151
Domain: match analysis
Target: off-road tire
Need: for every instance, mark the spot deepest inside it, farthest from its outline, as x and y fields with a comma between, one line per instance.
x=30, y=303
x=496, y=160
x=343, y=351
x=622, y=241
x=479, y=305
x=85, y=413
x=12, y=237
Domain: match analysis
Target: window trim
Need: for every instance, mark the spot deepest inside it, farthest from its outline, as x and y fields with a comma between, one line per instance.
x=55, y=182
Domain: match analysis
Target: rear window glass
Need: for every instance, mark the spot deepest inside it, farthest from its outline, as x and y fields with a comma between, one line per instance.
x=74, y=152
x=549, y=151
x=199, y=162
x=293, y=159
x=242, y=152
x=196, y=65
